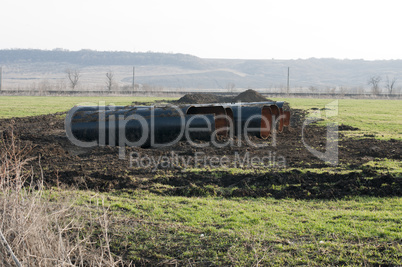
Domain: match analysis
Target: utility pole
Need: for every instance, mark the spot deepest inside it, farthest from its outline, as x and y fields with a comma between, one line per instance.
x=1, y=77
x=287, y=88
x=133, y=78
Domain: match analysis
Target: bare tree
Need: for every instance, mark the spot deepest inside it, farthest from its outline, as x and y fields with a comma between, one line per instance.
x=73, y=77
x=343, y=90
x=360, y=90
x=230, y=87
x=312, y=89
x=331, y=90
x=374, y=81
x=109, y=80
x=390, y=84
x=283, y=89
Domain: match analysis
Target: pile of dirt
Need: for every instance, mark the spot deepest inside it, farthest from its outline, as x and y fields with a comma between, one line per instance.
x=200, y=99
x=204, y=98
x=250, y=96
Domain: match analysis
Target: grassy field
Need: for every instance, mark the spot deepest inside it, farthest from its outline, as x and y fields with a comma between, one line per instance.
x=204, y=231
x=382, y=118
x=250, y=232
x=22, y=106
x=247, y=231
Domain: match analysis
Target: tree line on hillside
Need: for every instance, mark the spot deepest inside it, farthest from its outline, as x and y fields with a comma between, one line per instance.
x=90, y=57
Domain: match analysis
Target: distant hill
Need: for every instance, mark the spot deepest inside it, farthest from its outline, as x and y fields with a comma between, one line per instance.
x=21, y=66
x=91, y=58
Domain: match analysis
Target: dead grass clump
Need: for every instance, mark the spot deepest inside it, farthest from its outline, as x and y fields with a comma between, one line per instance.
x=37, y=229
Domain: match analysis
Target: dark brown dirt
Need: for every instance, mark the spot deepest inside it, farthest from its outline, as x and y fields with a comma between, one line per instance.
x=204, y=98
x=250, y=96
x=100, y=168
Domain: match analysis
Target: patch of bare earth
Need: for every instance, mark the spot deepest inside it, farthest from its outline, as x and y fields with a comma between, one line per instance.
x=100, y=168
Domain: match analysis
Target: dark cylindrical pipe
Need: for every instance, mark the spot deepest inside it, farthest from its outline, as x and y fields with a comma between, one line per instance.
x=86, y=112
x=221, y=118
x=128, y=126
x=257, y=120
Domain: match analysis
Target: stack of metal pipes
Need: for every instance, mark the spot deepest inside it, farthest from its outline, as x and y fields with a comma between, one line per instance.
x=146, y=126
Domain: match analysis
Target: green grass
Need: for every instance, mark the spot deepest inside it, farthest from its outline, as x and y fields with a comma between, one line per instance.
x=243, y=231
x=382, y=118
x=386, y=166
x=22, y=106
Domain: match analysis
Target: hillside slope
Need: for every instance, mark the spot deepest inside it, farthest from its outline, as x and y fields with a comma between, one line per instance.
x=23, y=67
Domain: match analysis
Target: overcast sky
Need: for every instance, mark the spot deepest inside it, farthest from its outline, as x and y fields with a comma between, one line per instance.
x=280, y=29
